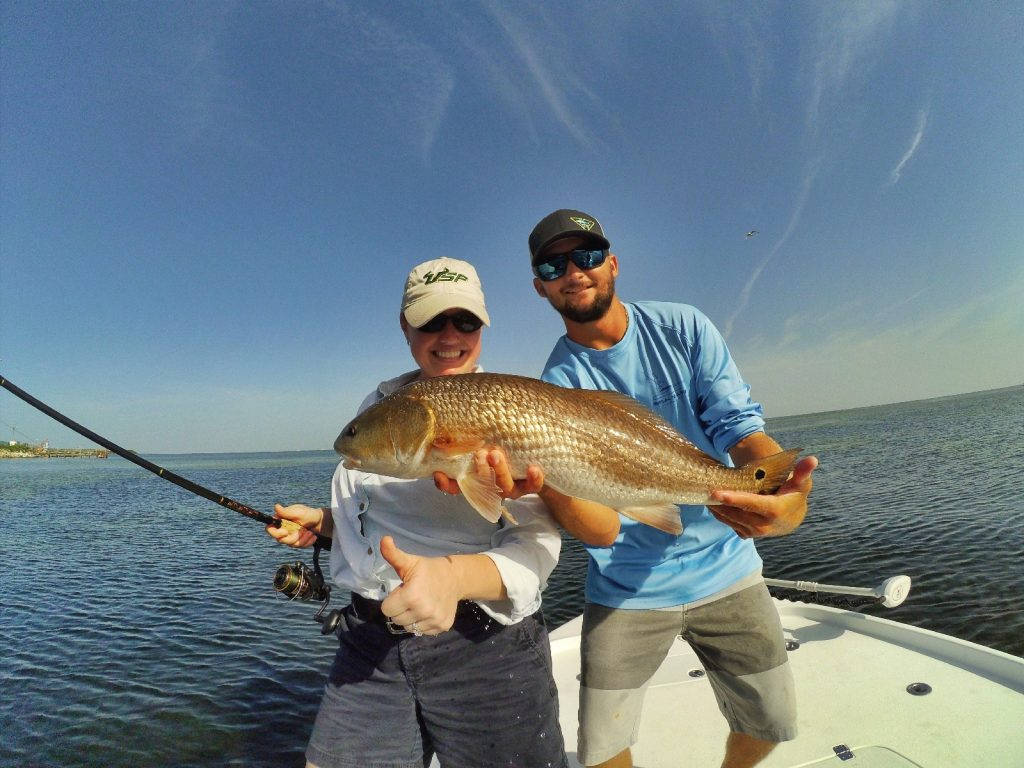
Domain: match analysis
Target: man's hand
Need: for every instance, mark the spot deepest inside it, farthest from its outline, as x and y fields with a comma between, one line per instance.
x=426, y=600
x=752, y=515
x=487, y=459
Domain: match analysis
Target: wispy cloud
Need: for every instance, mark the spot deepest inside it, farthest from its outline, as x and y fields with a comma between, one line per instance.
x=408, y=72
x=922, y=121
x=554, y=82
x=847, y=33
x=841, y=369
x=844, y=38
x=810, y=172
x=499, y=70
x=184, y=75
x=739, y=34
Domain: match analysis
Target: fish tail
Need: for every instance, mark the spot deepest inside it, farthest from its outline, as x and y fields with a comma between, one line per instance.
x=771, y=471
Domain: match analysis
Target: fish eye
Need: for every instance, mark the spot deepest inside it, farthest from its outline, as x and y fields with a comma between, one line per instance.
x=351, y=431
x=759, y=474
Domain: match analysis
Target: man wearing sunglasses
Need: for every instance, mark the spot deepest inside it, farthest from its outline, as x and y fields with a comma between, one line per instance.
x=649, y=586
x=445, y=605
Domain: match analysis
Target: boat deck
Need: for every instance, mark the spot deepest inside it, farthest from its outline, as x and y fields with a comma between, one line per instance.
x=852, y=672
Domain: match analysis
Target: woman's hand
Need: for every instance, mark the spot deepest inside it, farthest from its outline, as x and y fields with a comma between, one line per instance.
x=307, y=522
x=487, y=459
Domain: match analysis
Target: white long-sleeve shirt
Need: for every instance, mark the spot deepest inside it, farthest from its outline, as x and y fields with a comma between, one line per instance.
x=425, y=521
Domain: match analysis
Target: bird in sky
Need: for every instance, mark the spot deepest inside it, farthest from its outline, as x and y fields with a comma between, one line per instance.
x=751, y=233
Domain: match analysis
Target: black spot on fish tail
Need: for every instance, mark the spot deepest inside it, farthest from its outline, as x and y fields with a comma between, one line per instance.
x=772, y=471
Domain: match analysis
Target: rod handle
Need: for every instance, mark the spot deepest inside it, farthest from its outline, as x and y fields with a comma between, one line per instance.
x=291, y=525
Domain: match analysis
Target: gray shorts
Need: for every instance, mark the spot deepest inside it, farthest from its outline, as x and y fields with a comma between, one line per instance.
x=747, y=667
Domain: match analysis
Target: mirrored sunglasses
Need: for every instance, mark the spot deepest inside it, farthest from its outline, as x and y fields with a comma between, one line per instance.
x=553, y=267
x=464, y=322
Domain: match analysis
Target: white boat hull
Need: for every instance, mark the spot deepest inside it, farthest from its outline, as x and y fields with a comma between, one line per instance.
x=852, y=672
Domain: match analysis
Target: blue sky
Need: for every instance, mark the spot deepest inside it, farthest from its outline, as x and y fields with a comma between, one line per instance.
x=207, y=210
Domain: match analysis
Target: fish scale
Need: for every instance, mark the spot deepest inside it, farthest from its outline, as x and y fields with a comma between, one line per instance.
x=600, y=446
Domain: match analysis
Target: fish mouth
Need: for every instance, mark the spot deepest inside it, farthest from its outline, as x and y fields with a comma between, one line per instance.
x=339, y=448
x=351, y=463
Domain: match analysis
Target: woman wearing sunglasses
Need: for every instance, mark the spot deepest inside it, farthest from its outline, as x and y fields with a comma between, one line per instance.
x=443, y=649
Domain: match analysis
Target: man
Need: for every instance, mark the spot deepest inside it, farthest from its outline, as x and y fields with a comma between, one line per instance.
x=445, y=605
x=649, y=586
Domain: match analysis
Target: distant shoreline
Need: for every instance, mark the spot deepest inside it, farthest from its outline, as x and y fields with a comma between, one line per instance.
x=56, y=453
x=827, y=411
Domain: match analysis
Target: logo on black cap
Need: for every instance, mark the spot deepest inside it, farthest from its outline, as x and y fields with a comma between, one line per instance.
x=566, y=222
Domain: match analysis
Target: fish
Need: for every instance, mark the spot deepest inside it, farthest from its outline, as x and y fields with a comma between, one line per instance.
x=598, y=445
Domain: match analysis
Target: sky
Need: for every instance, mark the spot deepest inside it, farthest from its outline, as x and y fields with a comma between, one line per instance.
x=208, y=209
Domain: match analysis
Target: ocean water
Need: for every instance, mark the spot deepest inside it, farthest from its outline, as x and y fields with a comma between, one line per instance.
x=139, y=627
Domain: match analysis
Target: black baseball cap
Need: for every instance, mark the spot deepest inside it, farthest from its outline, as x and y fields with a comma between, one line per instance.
x=565, y=223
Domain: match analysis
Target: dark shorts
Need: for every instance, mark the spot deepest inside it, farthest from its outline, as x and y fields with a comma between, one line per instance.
x=479, y=695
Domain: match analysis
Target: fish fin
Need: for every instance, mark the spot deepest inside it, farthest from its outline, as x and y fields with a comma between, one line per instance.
x=449, y=446
x=482, y=495
x=775, y=469
x=664, y=517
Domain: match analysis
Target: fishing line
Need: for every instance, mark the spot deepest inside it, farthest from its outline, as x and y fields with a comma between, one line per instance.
x=166, y=474
x=297, y=581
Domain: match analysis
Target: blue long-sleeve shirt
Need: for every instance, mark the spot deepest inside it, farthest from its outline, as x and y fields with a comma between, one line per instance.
x=673, y=360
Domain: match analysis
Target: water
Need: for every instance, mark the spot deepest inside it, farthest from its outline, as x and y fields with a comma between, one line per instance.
x=138, y=626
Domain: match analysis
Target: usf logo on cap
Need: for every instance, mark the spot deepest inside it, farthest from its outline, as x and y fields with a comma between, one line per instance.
x=586, y=224
x=444, y=276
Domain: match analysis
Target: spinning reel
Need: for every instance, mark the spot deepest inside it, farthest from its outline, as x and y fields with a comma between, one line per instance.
x=297, y=581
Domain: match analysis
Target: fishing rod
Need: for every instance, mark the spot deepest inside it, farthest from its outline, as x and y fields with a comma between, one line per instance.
x=890, y=593
x=297, y=581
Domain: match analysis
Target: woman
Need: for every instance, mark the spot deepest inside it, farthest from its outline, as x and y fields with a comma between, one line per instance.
x=443, y=649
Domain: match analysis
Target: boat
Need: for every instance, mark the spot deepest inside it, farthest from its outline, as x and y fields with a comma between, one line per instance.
x=871, y=693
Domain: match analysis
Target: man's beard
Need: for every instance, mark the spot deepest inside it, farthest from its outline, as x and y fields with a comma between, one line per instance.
x=595, y=311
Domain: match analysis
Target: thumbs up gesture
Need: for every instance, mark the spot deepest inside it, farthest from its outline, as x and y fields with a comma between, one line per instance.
x=426, y=600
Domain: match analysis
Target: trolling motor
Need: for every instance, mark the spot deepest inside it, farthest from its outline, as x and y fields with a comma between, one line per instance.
x=297, y=581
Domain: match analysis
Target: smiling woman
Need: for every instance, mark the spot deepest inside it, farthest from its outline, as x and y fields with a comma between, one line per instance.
x=431, y=581
x=442, y=314
x=446, y=351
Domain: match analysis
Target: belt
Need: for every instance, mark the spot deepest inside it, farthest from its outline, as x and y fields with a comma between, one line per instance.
x=369, y=611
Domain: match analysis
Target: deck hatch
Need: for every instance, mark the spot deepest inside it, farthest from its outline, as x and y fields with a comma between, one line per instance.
x=843, y=752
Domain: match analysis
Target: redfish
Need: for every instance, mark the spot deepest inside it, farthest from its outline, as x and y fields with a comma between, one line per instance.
x=591, y=444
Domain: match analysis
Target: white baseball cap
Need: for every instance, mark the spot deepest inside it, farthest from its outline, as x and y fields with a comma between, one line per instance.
x=436, y=286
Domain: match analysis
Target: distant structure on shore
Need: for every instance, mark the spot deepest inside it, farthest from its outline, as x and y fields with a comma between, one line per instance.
x=15, y=450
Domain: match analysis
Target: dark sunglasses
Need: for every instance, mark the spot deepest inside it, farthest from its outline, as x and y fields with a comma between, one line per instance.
x=553, y=267
x=464, y=322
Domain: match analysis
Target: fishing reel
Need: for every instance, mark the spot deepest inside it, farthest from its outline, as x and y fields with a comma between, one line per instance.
x=297, y=581
x=300, y=582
